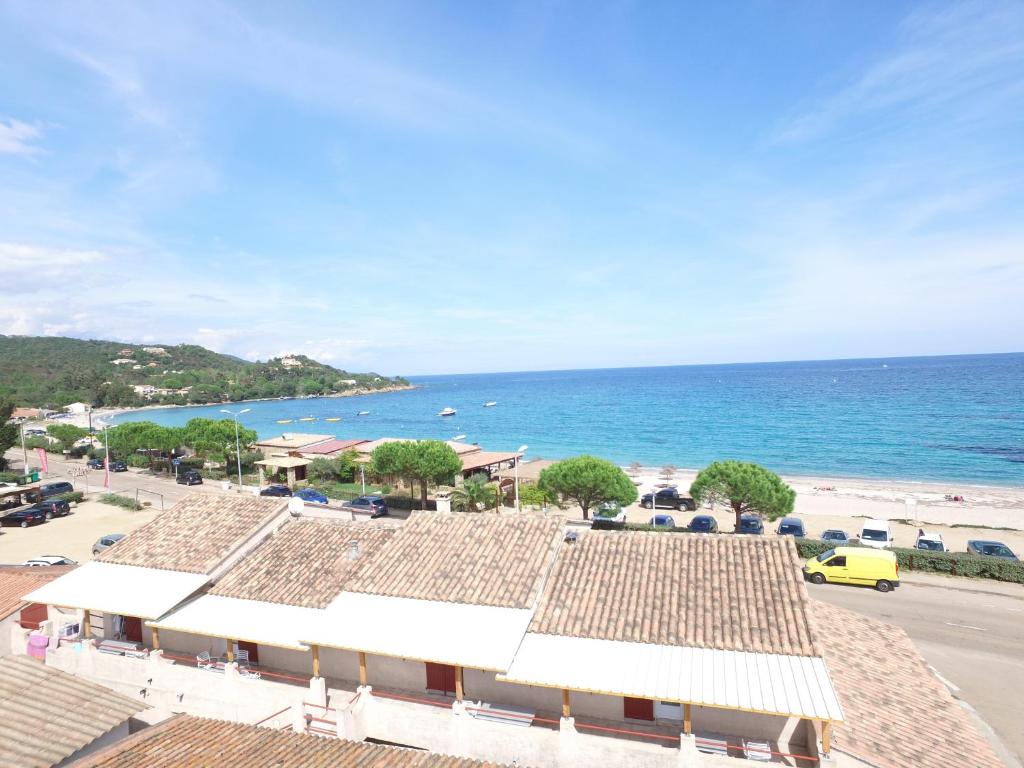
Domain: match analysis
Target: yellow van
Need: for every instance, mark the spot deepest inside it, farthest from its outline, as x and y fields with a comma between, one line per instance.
x=855, y=565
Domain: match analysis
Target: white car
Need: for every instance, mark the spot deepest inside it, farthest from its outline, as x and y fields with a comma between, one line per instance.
x=930, y=541
x=51, y=560
x=876, y=533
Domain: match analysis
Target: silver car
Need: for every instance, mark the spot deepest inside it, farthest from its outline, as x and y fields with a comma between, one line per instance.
x=106, y=542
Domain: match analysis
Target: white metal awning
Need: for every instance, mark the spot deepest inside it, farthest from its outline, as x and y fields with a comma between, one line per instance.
x=797, y=686
x=124, y=589
x=251, y=620
x=475, y=636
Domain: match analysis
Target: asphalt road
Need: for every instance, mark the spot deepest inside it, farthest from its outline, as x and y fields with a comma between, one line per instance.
x=970, y=631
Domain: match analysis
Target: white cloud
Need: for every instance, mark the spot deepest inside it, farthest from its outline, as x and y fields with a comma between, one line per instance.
x=16, y=138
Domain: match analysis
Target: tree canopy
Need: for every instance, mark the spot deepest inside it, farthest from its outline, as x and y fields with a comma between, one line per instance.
x=422, y=461
x=67, y=434
x=476, y=494
x=746, y=487
x=8, y=432
x=588, y=481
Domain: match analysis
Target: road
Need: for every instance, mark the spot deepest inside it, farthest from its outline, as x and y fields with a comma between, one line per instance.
x=970, y=631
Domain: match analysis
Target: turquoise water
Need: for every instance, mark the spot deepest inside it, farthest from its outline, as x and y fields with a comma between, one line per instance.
x=936, y=418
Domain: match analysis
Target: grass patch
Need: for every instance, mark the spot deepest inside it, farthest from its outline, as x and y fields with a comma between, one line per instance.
x=120, y=501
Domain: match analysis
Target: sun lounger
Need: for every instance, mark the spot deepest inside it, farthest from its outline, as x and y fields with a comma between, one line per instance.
x=123, y=648
x=757, y=750
x=713, y=746
x=499, y=713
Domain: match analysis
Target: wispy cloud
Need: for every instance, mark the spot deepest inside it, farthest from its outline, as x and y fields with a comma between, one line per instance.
x=18, y=138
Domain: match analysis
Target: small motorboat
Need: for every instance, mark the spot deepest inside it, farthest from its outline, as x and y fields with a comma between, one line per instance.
x=490, y=403
x=284, y=421
x=458, y=437
x=363, y=413
x=308, y=418
x=333, y=418
x=447, y=412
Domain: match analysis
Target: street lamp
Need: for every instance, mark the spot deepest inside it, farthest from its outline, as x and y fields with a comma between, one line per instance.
x=520, y=452
x=238, y=447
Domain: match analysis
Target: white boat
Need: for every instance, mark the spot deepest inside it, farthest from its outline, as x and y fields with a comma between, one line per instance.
x=363, y=413
x=490, y=403
x=458, y=437
x=447, y=412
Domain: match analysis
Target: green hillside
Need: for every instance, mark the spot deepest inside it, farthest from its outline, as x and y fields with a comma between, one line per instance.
x=48, y=371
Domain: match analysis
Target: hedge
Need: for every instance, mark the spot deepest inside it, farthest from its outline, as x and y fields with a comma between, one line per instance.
x=953, y=563
x=75, y=497
x=120, y=501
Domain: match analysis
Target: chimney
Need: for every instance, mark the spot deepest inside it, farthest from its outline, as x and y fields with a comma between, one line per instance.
x=353, y=550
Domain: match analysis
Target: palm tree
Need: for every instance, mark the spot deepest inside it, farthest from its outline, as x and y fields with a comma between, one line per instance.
x=476, y=494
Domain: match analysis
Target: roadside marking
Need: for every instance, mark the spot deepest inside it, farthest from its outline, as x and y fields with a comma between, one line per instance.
x=966, y=626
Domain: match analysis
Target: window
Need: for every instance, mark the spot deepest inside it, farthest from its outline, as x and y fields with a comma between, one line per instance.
x=837, y=562
x=874, y=535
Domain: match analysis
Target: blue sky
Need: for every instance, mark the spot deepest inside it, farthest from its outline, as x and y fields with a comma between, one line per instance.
x=447, y=187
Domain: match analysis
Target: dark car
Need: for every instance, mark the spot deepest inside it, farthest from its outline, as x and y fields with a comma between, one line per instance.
x=375, y=505
x=791, y=526
x=276, y=490
x=49, y=490
x=52, y=508
x=990, y=548
x=703, y=524
x=118, y=466
x=311, y=495
x=94, y=463
x=662, y=521
x=24, y=517
x=668, y=498
x=751, y=524
x=190, y=477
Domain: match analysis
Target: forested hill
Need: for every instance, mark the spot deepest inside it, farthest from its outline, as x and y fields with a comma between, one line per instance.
x=49, y=371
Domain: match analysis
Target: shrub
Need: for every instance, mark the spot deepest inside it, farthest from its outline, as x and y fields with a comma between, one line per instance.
x=10, y=477
x=75, y=497
x=137, y=460
x=120, y=501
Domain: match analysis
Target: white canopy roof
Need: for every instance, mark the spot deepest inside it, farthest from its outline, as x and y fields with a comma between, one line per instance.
x=125, y=589
x=476, y=636
x=252, y=620
x=759, y=682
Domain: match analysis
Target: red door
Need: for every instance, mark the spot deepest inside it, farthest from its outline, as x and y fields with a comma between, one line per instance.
x=132, y=629
x=33, y=615
x=440, y=677
x=637, y=709
x=252, y=648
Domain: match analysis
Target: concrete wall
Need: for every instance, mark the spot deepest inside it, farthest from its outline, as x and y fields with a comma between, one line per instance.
x=9, y=640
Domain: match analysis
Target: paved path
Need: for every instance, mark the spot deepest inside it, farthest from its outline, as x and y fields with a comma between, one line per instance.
x=971, y=631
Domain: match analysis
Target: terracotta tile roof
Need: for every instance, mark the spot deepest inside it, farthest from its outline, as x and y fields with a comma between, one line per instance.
x=196, y=534
x=49, y=714
x=331, y=446
x=459, y=447
x=481, y=459
x=897, y=711
x=734, y=593
x=481, y=559
x=192, y=742
x=16, y=581
x=306, y=563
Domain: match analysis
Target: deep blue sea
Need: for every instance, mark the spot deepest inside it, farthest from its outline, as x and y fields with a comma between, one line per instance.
x=926, y=418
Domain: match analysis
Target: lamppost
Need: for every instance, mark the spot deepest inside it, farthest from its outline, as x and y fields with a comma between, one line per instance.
x=238, y=447
x=520, y=452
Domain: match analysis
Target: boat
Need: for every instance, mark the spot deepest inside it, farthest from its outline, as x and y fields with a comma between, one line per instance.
x=363, y=413
x=333, y=418
x=284, y=421
x=458, y=437
x=308, y=418
x=447, y=412
x=490, y=403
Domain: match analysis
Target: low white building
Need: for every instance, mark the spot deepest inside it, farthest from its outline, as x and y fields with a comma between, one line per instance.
x=78, y=408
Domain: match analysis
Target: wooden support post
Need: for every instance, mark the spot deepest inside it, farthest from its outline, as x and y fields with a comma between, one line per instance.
x=86, y=624
x=362, y=668
x=316, y=661
x=231, y=650
x=156, y=639
x=687, y=719
x=565, y=703
x=458, y=683
x=826, y=736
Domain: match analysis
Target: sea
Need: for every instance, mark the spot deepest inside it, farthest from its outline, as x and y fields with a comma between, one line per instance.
x=953, y=418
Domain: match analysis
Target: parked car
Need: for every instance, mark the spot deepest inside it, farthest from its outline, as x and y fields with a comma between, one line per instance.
x=930, y=541
x=609, y=513
x=45, y=560
x=668, y=498
x=24, y=517
x=703, y=524
x=49, y=490
x=105, y=542
x=189, y=477
x=118, y=466
x=990, y=548
x=835, y=537
x=276, y=490
x=876, y=533
x=855, y=565
x=662, y=521
x=311, y=495
x=751, y=524
x=94, y=463
x=375, y=505
x=53, y=508
x=791, y=526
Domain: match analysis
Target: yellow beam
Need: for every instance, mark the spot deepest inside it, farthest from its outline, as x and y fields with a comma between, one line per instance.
x=687, y=719
x=231, y=650
x=826, y=736
x=458, y=683
x=156, y=638
x=565, y=702
x=86, y=624
x=362, y=668
x=316, y=661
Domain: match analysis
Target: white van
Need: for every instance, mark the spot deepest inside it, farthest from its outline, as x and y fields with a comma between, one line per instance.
x=876, y=533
